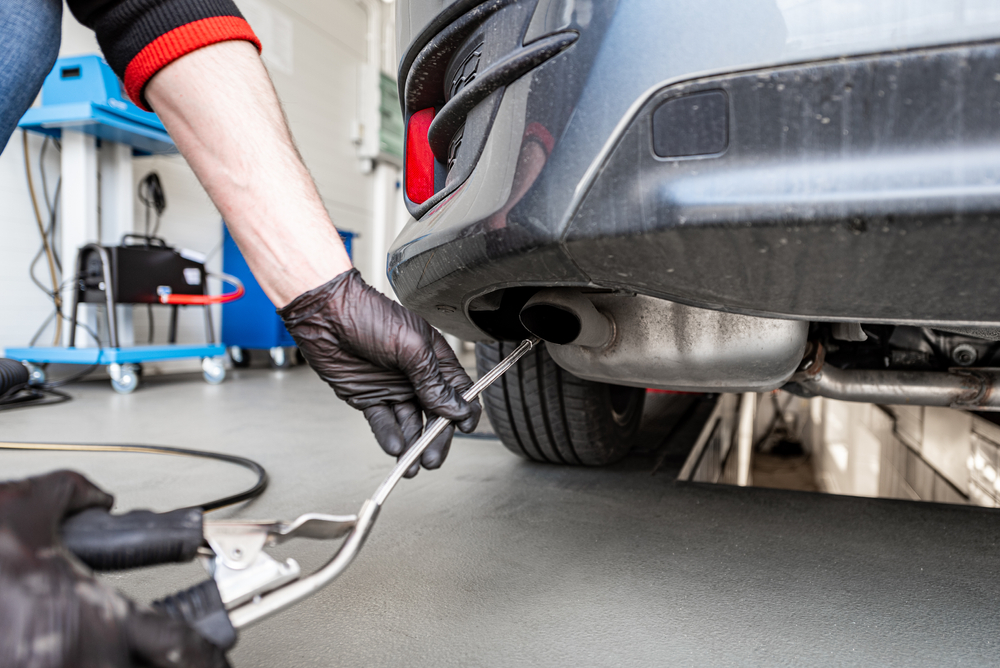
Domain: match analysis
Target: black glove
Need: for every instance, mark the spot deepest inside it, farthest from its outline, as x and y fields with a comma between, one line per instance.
x=383, y=360
x=53, y=613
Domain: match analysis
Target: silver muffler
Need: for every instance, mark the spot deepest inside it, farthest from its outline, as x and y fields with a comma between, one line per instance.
x=646, y=342
x=641, y=341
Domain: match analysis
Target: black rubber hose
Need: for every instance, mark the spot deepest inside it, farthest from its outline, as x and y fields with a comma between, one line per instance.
x=107, y=542
x=13, y=374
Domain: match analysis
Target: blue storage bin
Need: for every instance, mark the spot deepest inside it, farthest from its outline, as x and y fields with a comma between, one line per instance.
x=251, y=322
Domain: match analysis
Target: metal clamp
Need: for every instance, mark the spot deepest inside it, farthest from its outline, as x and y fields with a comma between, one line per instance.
x=242, y=570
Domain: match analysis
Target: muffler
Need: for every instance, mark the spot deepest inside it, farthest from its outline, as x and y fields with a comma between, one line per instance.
x=627, y=339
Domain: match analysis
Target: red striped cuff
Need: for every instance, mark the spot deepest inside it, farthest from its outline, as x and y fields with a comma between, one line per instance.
x=181, y=41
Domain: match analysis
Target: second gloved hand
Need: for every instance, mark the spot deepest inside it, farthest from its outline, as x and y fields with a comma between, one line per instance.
x=383, y=360
x=54, y=613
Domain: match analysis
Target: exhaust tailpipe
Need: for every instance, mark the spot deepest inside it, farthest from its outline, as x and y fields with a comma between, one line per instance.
x=566, y=317
x=640, y=341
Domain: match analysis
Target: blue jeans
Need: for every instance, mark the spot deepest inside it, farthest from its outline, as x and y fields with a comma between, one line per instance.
x=30, y=31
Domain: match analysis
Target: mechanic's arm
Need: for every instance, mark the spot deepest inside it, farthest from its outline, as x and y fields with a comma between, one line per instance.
x=196, y=64
x=221, y=110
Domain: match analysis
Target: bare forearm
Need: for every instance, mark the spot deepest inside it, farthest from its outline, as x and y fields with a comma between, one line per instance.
x=220, y=108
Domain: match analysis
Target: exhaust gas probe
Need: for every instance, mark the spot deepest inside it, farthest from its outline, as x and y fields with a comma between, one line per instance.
x=247, y=585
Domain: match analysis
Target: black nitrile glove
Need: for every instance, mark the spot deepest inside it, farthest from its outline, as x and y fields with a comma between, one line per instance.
x=53, y=613
x=383, y=360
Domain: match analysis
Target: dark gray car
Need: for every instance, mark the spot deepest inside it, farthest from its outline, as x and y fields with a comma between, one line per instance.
x=721, y=196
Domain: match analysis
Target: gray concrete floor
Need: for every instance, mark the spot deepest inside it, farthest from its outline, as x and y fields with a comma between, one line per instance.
x=493, y=561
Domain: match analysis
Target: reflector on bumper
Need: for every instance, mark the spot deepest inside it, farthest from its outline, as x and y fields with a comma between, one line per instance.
x=419, y=158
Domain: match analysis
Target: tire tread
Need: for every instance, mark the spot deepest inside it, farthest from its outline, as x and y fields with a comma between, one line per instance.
x=543, y=413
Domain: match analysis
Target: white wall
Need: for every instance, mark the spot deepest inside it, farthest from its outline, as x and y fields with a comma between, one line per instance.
x=315, y=51
x=320, y=94
x=847, y=455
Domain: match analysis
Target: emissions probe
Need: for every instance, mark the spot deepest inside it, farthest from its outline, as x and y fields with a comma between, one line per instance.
x=247, y=585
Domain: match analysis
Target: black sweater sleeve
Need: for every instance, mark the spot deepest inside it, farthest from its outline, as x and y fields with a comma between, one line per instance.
x=140, y=37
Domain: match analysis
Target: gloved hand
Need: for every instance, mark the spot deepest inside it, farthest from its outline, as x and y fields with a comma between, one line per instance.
x=383, y=360
x=54, y=613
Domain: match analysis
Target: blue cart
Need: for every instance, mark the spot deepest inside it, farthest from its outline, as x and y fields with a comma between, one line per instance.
x=123, y=363
x=82, y=92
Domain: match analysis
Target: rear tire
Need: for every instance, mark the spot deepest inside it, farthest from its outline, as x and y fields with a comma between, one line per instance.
x=546, y=414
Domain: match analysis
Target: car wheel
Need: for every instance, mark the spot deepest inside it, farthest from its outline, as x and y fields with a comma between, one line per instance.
x=546, y=414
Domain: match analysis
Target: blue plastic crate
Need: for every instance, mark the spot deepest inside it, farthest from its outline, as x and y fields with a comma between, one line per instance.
x=251, y=322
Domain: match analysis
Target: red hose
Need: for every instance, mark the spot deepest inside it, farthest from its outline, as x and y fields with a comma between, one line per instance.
x=205, y=300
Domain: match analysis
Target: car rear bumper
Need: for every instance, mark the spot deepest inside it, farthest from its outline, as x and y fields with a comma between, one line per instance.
x=864, y=188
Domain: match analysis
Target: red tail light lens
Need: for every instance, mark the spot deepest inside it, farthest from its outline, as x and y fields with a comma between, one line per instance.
x=419, y=159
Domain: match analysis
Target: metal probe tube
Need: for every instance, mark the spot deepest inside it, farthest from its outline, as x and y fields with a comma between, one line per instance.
x=267, y=605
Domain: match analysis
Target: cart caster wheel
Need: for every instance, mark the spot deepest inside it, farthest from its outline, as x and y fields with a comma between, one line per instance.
x=36, y=374
x=124, y=378
x=280, y=358
x=239, y=356
x=213, y=370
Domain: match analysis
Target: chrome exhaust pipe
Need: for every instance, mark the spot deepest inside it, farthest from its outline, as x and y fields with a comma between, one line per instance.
x=566, y=317
x=969, y=389
x=642, y=341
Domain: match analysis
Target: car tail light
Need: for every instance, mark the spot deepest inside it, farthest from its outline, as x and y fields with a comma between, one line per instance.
x=419, y=158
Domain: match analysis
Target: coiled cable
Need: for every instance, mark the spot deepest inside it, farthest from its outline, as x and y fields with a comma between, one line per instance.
x=13, y=376
x=246, y=495
x=16, y=390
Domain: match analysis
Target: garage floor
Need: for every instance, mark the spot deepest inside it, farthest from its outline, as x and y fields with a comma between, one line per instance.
x=494, y=561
